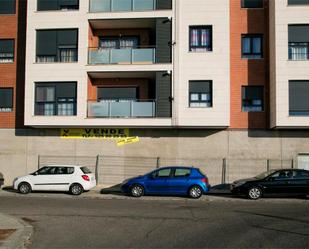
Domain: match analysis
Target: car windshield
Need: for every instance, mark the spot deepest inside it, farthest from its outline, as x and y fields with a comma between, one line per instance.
x=265, y=174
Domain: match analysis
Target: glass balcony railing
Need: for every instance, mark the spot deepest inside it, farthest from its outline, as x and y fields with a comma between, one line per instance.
x=122, y=109
x=121, y=56
x=128, y=5
x=298, y=51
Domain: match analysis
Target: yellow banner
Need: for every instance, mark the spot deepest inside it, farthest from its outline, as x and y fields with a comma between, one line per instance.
x=128, y=140
x=95, y=133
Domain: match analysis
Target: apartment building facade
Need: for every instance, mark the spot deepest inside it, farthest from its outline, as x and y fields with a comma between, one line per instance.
x=192, y=79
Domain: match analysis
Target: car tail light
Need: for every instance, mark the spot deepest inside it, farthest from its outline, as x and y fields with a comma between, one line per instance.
x=86, y=178
x=205, y=180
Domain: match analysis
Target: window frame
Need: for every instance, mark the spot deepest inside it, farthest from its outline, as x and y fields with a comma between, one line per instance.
x=242, y=99
x=246, y=56
x=59, y=47
x=207, y=48
x=12, y=100
x=200, y=101
x=13, y=57
x=56, y=99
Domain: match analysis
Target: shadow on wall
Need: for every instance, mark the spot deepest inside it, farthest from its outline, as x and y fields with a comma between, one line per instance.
x=20, y=65
x=258, y=69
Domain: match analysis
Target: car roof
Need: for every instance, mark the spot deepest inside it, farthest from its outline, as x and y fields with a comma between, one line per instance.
x=57, y=165
x=177, y=167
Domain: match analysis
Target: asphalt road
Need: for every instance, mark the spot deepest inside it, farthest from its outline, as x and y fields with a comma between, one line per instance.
x=183, y=223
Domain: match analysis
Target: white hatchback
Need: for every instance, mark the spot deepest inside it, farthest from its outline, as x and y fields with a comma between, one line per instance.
x=74, y=179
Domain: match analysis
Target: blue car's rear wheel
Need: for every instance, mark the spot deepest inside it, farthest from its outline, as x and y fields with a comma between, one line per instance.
x=137, y=190
x=195, y=192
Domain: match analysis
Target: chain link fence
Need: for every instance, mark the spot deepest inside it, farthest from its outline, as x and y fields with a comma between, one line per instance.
x=112, y=170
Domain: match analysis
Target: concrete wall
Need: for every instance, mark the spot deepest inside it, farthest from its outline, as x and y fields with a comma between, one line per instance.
x=246, y=151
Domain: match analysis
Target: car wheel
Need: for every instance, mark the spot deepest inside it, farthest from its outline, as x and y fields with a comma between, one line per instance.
x=24, y=188
x=195, y=192
x=76, y=189
x=254, y=193
x=137, y=190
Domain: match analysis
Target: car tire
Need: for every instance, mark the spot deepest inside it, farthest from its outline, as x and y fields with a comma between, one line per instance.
x=24, y=188
x=195, y=192
x=76, y=189
x=137, y=190
x=254, y=193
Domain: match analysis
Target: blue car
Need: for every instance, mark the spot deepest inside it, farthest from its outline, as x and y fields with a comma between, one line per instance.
x=168, y=181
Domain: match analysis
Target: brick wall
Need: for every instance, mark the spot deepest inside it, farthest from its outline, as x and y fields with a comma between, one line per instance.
x=248, y=72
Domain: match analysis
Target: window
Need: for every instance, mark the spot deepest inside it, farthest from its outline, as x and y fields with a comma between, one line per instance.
x=6, y=99
x=55, y=99
x=298, y=42
x=252, y=4
x=85, y=170
x=200, y=94
x=119, y=42
x=162, y=173
x=182, y=172
x=46, y=171
x=282, y=175
x=298, y=2
x=57, y=45
x=64, y=170
x=301, y=174
x=58, y=5
x=117, y=93
x=7, y=51
x=252, y=98
x=252, y=46
x=200, y=38
x=7, y=7
x=299, y=97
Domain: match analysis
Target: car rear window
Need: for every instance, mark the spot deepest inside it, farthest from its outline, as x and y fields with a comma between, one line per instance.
x=201, y=172
x=182, y=172
x=85, y=170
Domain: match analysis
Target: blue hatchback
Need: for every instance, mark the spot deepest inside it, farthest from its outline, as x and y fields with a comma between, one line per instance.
x=168, y=181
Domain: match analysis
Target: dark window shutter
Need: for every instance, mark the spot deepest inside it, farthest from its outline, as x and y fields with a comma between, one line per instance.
x=46, y=42
x=6, y=97
x=252, y=92
x=200, y=87
x=7, y=6
x=299, y=33
x=66, y=90
x=6, y=46
x=67, y=37
x=299, y=96
x=47, y=4
x=117, y=93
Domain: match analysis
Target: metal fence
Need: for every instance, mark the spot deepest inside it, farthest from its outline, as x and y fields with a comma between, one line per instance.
x=112, y=170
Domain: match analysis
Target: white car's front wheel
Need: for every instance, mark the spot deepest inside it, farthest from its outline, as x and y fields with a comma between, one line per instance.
x=24, y=188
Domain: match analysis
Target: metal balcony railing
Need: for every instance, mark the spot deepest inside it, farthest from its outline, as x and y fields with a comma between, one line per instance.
x=125, y=5
x=298, y=51
x=122, y=109
x=142, y=55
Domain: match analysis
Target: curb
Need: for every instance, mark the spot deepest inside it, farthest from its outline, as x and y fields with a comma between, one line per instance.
x=20, y=239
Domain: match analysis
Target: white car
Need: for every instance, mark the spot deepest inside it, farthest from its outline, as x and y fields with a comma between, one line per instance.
x=74, y=179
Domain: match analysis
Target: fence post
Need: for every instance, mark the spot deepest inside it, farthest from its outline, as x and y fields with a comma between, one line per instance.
x=97, y=169
x=158, y=162
x=268, y=165
x=292, y=163
x=39, y=161
x=223, y=180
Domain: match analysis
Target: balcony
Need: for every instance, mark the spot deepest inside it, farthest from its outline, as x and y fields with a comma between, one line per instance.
x=122, y=109
x=298, y=51
x=128, y=5
x=121, y=56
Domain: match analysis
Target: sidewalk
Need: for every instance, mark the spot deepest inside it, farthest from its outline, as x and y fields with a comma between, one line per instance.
x=14, y=233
